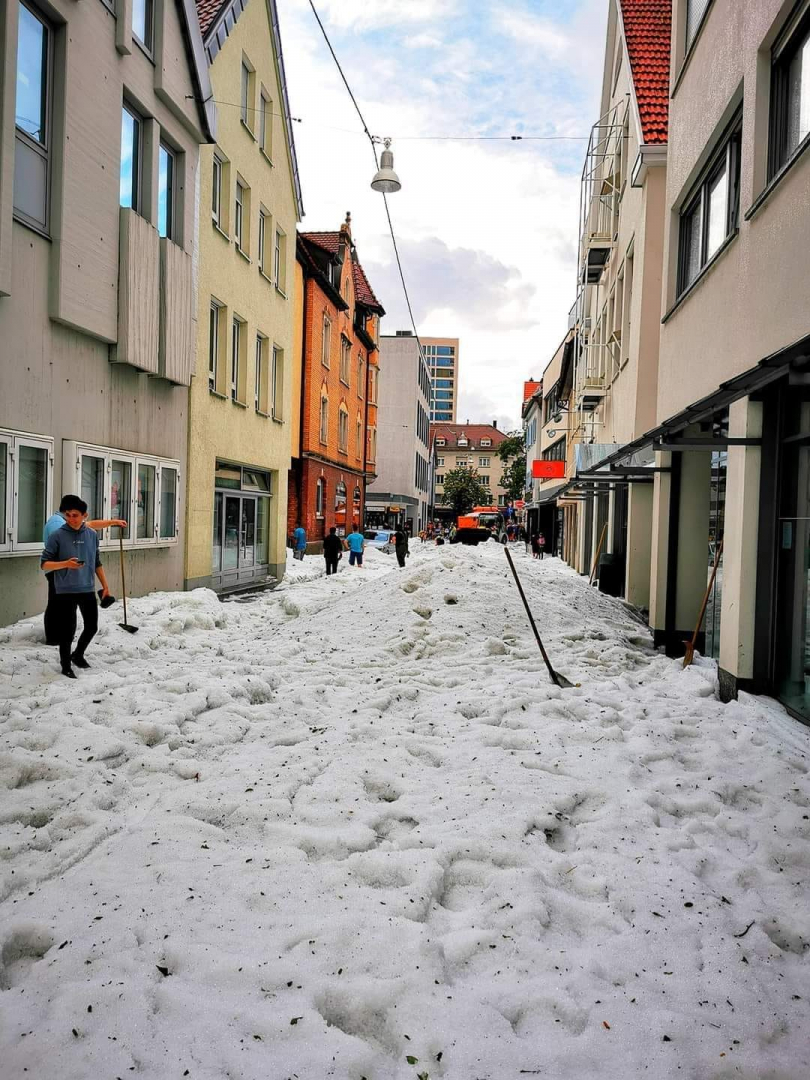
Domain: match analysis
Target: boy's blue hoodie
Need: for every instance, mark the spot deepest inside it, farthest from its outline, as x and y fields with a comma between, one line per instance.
x=81, y=544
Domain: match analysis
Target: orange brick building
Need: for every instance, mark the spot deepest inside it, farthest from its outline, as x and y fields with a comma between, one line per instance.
x=336, y=446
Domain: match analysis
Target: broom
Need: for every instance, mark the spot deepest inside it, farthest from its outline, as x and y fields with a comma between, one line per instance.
x=690, y=645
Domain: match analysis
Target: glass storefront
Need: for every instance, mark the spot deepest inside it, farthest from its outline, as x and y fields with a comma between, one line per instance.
x=240, y=542
x=717, y=510
x=792, y=654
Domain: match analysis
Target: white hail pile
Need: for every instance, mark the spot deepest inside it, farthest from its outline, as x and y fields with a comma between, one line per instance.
x=350, y=829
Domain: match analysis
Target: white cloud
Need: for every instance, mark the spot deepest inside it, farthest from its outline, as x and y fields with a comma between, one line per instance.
x=487, y=230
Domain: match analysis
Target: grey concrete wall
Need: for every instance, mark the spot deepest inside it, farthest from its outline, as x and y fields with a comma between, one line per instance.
x=60, y=316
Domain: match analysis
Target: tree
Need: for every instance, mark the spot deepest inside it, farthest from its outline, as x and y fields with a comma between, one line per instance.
x=463, y=490
x=512, y=452
x=513, y=480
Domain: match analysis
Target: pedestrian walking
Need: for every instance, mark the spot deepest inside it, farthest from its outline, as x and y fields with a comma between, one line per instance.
x=541, y=545
x=355, y=544
x=332, y=549
x=299, y=542
x=535, y=541
x=401, y=546
x=55, y=522
x=71, y=555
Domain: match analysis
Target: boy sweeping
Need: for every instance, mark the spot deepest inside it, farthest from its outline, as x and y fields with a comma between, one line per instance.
x=71, y=553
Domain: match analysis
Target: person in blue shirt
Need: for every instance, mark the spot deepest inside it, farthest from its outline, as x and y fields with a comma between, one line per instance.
x=355, y=544
x=299, y=542
x=71, y=555
x=54, y=522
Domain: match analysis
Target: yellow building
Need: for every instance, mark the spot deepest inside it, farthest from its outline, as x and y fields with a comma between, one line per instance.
x=240, y=400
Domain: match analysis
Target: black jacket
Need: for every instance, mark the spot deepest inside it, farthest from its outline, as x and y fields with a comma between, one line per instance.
x=332, y=546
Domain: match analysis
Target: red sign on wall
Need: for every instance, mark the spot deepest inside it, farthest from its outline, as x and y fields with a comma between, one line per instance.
x=548, y=470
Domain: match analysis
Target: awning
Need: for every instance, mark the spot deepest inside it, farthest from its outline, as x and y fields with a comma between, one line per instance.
x=756, y=378
x=547, y=495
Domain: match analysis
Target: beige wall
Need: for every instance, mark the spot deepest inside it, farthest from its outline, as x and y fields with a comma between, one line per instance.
x=60, y=315
x=749, y=304
x=220, y=427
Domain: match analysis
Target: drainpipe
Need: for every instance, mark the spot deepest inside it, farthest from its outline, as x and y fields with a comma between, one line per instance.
x=365, y=448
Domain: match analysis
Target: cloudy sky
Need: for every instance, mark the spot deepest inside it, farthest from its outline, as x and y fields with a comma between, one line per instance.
x=486, y=230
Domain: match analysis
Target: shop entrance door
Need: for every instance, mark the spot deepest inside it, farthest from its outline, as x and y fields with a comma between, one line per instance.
x=792, y=658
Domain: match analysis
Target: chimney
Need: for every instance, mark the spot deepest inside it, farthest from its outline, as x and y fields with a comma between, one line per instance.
x=346, y=227
x=494, y=423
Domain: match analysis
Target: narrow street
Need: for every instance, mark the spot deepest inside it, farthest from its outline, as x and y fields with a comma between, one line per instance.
x=350, y=829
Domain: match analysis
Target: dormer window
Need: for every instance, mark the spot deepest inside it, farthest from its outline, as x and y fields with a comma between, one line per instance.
x=440, y=442
x=486, y=442
x=462, y=440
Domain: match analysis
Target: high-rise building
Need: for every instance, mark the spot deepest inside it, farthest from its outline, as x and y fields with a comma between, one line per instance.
x=441, y=357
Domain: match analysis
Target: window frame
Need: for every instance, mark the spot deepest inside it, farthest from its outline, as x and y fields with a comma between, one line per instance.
x=215, y=340
x=42, y=148
x=320, y=497
x=137, y=172
x=237, y=359
x=279, y=260
x=264, y=217
x=794, y=36
x=725, y=158
x=343, y=428
x=218, y=173
x=171, y=201
x=277, y=383
x=246, y=93
x=266, y=124
x=239, y=216
x=13, y=440
x=323, y=424
x=149, y=25
x=259, y=379
x=74, y=451
x=345, y=360
x=326, y=342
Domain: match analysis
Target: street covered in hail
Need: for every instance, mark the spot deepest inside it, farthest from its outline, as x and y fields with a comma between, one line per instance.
x=350, y=828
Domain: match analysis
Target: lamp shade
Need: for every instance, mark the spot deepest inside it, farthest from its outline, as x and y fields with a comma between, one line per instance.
x=385, y=179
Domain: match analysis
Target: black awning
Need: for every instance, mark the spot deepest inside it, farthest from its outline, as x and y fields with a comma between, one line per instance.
x=756, y=378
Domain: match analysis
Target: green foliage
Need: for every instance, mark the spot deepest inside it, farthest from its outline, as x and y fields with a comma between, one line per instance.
x=512, y=446
x=463, y=490
x=514, y=478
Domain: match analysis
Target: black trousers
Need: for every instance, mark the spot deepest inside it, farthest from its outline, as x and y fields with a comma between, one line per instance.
x=66, y=607
x=401, y=558
x=331, y=564
x=51, y=633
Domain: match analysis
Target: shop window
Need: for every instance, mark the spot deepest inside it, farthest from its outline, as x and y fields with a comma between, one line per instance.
x=790, y=92
x=26, y=482
x=32, y=117
x=711, y=213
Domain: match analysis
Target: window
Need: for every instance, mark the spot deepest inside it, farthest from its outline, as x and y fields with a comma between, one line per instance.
x=484, y=480
x=345, y=358
x=280, y=261
x=262, y=231
x=236, y=358
x=483, y=463
x=711, y=214
x=373, y=375
x=213, y=345
x=168, y=503
x=326, y=341
x=166, y=193
x=372, y=444
x=32, y=120
x=216, y=193
x=446, y=395
x=26, y=483
x=445, y=350
x=440, y=442
x=790, y=93
x=320, y=497
x=358, y=444
x=444, y=361
x=130, y=179
x=247, y=111
x=142, y=21
x=462, y=441
x=555, y=452
x=91, y=484
x=440, y=478
x=440, y=462
x=266, y=125
x=324, y=427
x=444, y=383
x=260, y=382
x=361, y=376
x=121, y=493
x=238, y=219
x=486, y=442
x=277, y=383
x=343, y=428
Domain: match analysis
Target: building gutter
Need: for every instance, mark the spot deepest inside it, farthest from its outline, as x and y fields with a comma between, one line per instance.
x=650, y=156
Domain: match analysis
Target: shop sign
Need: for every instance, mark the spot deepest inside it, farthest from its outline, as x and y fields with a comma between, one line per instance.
x=548, y=470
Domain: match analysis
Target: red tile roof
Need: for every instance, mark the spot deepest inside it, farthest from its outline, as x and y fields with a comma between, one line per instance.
x=647, y=31
x=530, y=388
x=330, y=241
x=207, y=11
x=474, y=432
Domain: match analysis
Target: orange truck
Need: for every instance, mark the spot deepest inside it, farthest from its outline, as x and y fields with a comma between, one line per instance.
x=482, y=523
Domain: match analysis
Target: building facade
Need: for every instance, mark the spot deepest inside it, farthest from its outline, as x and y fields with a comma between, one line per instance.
x=400, y=494
x=467, y=446
x=100, y=133
x=441, y=357
x=336, y=453
x=240, y=398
